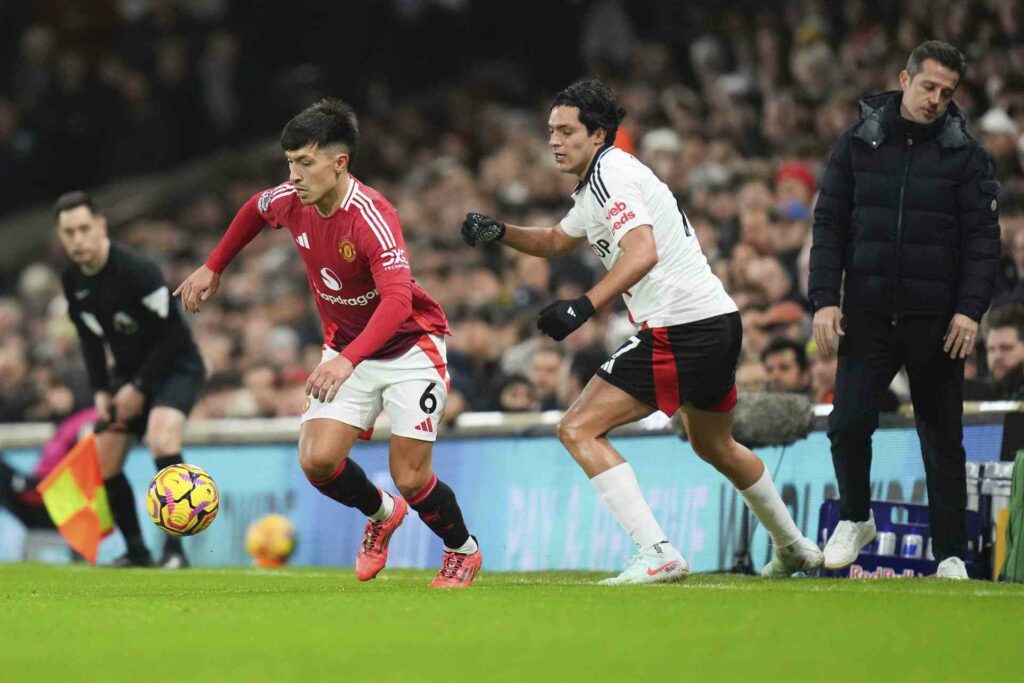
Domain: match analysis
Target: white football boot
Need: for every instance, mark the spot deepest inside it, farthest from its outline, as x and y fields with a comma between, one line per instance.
x=952, y=568
x=802, y=555
x=661, y=563
x=846, y=542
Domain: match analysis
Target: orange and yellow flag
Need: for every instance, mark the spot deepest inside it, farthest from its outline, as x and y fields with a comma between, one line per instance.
x=76, y=499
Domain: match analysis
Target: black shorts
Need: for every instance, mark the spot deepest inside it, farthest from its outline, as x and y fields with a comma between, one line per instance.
x=694, y=363
x=179, y=389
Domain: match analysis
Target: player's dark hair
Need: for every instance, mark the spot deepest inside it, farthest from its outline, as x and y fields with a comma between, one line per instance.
x=328, y=122
x=781, y=344
x=599, y=108
x=1005, y=315
x=75, y=199
x=943, y=53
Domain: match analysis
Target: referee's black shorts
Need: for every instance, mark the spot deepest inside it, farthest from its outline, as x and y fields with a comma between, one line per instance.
x=179, y=389
x=693, y=363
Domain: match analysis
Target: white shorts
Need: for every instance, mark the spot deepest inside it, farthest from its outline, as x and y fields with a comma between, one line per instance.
x=411, y=388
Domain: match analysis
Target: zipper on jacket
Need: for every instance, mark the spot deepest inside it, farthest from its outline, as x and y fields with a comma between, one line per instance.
x=899, y=233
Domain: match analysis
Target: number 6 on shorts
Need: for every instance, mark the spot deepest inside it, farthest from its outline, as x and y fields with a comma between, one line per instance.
x=428, y=402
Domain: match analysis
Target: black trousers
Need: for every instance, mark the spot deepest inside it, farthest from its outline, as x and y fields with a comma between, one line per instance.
x=870, y=355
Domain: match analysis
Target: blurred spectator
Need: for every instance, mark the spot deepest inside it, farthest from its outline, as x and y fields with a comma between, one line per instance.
x=999, y=135
x=823, y=374
x=736, y=115
x=516, y=395
x=786, y=319
x=262, y=380
x=17, y=391
x=751, y=376
x=546, y=374
x=785, y=361
x=292, y=394
x=794, y=184
x=1003, y=332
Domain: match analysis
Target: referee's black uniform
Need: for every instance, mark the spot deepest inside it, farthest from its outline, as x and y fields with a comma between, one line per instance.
x=127, y=308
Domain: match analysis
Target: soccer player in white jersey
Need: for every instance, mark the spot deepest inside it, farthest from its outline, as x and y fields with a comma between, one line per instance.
x=683, y=355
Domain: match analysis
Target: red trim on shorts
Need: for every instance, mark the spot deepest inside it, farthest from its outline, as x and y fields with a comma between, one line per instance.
x=422, y=494
x=328, y=480
x=727, y=403
x=666, y=374
x=429, y=348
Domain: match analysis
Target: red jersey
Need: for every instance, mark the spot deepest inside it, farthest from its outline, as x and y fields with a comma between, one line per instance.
x=356, y=264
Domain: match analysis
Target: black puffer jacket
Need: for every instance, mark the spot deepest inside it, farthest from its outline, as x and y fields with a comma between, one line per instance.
x=909, y=214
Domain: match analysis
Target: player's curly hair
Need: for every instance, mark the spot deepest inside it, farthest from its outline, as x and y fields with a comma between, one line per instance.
x=599, y=108
x=328, y=122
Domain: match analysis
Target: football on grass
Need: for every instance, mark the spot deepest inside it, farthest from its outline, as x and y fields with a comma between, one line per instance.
x=182, y=499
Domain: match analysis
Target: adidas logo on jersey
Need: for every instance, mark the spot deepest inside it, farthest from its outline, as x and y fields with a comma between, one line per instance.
x=571, y=312
x=425, y=426
x=303, y=240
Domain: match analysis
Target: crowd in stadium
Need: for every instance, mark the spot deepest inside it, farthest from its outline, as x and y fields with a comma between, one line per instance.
x=738, y=122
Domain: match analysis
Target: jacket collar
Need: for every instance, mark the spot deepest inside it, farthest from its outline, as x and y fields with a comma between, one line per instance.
x=879, y=114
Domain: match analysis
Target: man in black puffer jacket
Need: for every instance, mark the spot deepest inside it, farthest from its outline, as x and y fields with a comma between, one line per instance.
x=906, y=241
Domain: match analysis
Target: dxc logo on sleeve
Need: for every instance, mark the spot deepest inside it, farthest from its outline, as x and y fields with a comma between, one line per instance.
x=395, y=258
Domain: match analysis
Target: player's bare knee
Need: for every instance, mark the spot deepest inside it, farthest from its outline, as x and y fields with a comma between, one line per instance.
x=410, y=481
x=717, y=452
x=572, y=431
x=319, y=461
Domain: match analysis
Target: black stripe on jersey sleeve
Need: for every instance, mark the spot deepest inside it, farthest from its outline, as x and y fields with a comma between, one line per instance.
x=600, y=183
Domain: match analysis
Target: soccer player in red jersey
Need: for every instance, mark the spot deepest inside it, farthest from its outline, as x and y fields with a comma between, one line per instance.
x=384, y=343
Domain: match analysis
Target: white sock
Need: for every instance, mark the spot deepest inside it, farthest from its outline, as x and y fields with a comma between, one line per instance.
x=764, y=501
x=621, y=493
x=387, y=506
x=467, y=548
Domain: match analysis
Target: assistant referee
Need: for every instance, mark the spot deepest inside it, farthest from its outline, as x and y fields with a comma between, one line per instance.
x=119, y=302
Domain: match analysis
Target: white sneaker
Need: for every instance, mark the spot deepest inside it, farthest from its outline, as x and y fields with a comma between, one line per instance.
x=659, y=564
x=952, y=568
x=802, y=555
x=846, y=542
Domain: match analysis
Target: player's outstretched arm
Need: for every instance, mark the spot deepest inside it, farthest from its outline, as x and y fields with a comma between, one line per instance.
x=545, y=242
x=201, y=285
x=197, y=288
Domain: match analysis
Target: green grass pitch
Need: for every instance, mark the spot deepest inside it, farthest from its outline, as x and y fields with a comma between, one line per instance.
x=75, y=623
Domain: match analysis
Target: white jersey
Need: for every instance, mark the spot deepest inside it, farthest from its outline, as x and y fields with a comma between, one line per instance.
x=619, y=194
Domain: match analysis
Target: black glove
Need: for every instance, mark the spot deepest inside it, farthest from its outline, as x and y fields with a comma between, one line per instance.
x=480, y=228
x=558, y=320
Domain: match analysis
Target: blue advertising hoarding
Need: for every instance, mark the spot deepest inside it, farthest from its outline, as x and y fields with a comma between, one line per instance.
x=525, y=499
